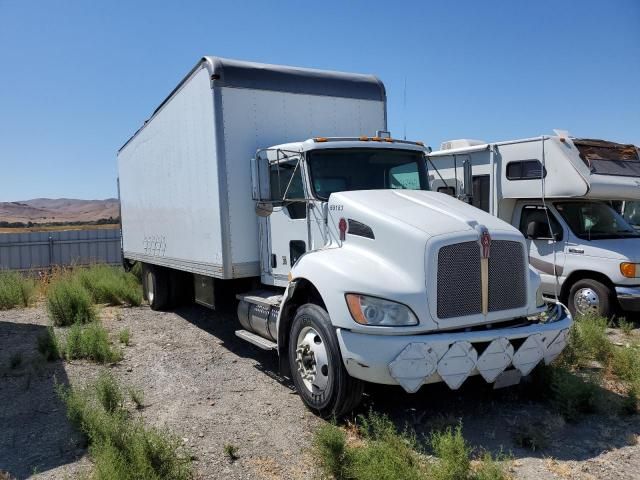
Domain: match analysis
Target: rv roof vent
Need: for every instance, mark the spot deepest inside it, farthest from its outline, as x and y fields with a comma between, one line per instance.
x=460, y=143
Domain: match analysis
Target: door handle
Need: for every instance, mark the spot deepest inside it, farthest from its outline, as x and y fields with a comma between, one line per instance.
x=575, y=250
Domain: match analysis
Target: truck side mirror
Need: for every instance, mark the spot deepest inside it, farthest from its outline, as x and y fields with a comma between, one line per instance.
x=468, y=179
x=264, y=209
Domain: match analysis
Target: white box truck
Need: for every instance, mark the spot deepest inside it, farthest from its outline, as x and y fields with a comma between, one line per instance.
x=558, y=191
x=269, y=178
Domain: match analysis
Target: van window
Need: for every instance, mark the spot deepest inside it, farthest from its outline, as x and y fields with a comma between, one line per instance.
x=481, y=191
x=538, y=213
x=525, y=170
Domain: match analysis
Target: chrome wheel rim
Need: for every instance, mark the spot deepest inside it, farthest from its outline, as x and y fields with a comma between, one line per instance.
x=312, y=360
x=150, y=287
x=586, y=300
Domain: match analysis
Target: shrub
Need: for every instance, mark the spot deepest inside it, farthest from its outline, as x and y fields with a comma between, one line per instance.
x=489, y=468
x=453, y=455
x=68, y=302
x=572, y=395
x=330, y=449
x=625, y=364
x=110, y=285
x=231, y=451
x=629, y=404
x=626, y=326
x=16, y=290
x=108, y=392
x=48, y=345
x=137, y=397
x=588, y=341
x=123, y=447
x=385, y=453
x=124, y=336
x=90, y=341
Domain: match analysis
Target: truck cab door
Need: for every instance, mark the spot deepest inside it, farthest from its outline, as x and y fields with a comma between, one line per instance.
x=545, y=240
x=287, y=227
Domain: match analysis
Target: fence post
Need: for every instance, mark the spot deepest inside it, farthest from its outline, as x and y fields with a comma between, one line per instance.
x=50, y=252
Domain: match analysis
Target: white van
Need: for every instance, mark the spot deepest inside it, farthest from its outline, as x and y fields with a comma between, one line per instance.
x=557, y=190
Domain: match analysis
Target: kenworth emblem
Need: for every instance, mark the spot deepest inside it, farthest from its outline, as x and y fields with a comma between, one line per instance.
x=485, y=242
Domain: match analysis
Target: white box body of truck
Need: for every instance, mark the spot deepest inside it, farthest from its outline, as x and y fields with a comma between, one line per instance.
x=185, y=176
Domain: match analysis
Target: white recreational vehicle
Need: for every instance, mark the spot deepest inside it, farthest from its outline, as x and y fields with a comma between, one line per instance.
x=557, y=190
x=266, y=182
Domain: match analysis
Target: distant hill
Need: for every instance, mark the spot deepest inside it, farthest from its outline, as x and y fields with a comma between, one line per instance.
x=58, y=210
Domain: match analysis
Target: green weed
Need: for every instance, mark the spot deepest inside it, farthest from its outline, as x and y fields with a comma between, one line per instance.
x=588, y=341
x=137, y=397
x=123, y=447
x=110, y=285
x=68, y=302
x=626, y=326
x=16, y=290
x=124, y=336
x=48, y=345
x=231, y=451
x=90, y=341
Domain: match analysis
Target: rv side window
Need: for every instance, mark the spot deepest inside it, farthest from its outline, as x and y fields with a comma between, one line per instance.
x=447, y=190
x=525, y=170
x=538, y=214
x=481, y=190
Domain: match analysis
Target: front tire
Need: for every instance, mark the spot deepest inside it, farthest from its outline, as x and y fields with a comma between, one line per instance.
x=316, y=365
x=590, y=297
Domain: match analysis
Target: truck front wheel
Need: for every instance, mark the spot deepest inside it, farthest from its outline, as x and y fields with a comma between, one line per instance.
x=316, y=364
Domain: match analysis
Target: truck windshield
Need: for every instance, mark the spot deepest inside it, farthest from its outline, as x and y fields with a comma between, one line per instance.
x=340, y=170
x=595, y=220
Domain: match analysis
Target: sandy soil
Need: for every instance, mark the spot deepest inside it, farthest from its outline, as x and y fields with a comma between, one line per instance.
x=211, y=389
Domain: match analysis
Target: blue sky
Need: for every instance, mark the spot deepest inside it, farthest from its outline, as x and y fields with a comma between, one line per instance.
x=77, y=78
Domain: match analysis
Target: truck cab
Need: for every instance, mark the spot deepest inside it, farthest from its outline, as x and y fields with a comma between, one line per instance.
x=385, y=281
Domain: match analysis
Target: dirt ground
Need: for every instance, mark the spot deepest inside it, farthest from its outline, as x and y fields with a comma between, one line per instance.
x=211, y=389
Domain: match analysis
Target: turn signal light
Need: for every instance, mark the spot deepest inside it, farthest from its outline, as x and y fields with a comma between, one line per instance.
x=320, y=139
x=629, y=270
x=364, y=138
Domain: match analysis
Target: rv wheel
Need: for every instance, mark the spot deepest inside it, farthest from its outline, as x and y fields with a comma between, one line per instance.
x=316, y=365
x=590, y=297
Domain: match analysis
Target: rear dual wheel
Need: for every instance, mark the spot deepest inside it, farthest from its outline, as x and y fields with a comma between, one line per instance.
x=165, y=288
x=316, y=364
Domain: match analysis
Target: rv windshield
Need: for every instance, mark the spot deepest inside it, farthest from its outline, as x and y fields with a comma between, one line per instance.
x=595, y=220
x=339, y=170
x=631, y=213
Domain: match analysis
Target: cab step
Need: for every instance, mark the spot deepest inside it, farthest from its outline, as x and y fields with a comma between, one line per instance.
x=256, y=340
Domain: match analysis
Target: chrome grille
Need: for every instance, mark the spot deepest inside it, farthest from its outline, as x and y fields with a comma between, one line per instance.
x=459, y=289
x=459, y=284
x=507, y=267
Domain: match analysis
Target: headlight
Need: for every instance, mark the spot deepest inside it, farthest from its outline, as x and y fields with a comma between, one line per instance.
x=539, y=298
x=630, y=270
x=377, y=311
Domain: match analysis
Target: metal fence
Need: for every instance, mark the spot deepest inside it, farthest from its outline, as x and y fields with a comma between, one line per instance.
x=42, y=250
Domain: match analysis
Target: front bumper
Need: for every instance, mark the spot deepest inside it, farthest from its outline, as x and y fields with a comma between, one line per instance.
x=629, y=298
x=414, y=360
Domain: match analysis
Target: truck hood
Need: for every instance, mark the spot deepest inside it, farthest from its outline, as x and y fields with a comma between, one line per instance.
x=432, y=213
